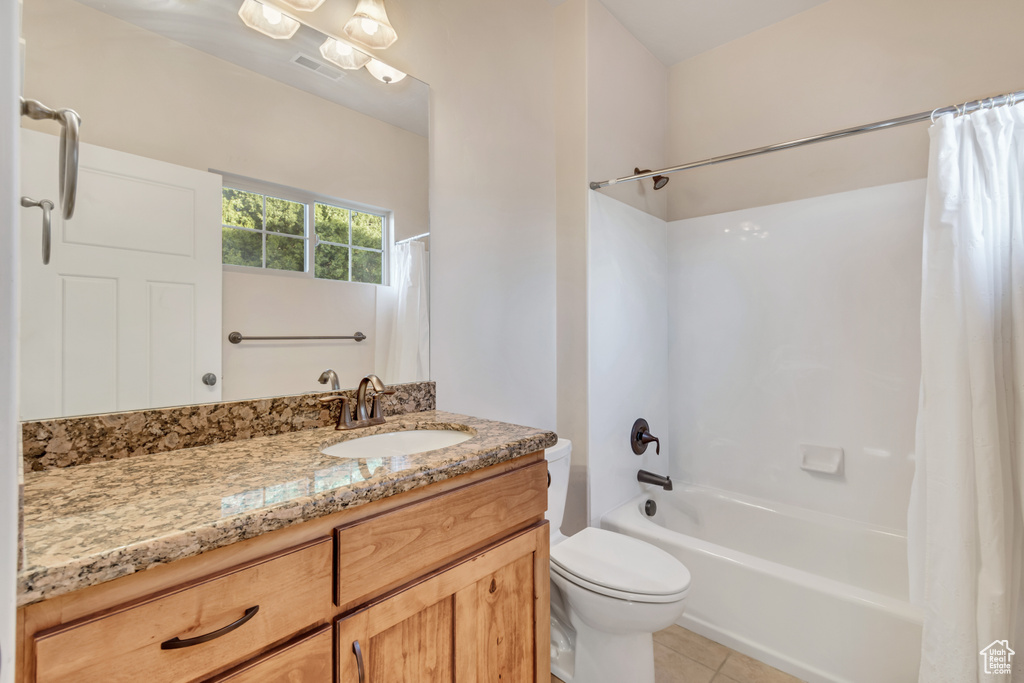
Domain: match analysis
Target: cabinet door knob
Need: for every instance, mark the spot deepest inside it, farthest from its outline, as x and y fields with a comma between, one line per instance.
x=209, y=379
x=359, y=661
x=177, y=643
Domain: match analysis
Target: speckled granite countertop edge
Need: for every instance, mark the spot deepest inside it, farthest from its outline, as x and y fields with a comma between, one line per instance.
x=37, y=583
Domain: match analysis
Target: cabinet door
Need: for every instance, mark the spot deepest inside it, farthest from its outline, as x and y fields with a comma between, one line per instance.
x=485, y=618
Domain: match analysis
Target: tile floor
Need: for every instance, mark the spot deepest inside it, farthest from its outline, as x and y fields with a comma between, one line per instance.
x=682, y=656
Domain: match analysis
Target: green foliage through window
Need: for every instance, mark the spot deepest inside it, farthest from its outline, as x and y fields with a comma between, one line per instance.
x=263, y=231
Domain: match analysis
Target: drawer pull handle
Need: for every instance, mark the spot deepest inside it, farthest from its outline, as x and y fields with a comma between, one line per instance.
x=359, y=661
x=177, y=643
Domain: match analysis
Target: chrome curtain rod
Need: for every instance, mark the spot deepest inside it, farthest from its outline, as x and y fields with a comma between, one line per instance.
x=956, y=109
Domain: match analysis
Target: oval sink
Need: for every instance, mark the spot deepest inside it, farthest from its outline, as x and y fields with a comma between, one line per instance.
x=397, y=443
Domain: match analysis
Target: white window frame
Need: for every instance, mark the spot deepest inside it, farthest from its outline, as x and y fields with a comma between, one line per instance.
x=309, y=199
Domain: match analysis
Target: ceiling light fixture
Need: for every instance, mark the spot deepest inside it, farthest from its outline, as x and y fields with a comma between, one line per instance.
x=268, y=20
x=303, y=5
x=384, y=73
x=370, y=26
x=342, y=54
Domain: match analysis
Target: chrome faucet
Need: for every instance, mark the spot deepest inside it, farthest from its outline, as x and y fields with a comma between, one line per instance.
x=368, y=408
x=332, y=376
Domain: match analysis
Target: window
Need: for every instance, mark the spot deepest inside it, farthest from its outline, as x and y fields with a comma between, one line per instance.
x=289, y=230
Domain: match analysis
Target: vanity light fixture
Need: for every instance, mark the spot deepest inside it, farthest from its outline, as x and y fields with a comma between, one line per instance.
x=268, y=20
x=370, y=26
x=303, y=5
x=342, y=54
x=384, y=73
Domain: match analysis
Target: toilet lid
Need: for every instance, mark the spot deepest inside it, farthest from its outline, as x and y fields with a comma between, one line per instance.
x=620, y=563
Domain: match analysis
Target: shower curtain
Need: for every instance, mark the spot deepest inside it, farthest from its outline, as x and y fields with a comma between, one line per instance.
x=408, y=358
x=966, y=518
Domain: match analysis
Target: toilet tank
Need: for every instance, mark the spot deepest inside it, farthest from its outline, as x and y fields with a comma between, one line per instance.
x=558, y=469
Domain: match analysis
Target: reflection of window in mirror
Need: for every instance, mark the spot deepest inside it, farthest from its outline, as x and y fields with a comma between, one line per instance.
x=285, y=229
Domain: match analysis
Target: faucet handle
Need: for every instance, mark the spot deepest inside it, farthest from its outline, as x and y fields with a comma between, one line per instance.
x=344, y=417
x=641, y=435
x=377, y=410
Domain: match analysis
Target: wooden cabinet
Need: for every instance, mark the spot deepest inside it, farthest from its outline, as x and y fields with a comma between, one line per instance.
x=445, y=583
x=484, y=618
x=195, y=629
x=307, y=659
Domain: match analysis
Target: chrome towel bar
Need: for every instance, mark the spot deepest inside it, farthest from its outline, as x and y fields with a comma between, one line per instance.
x=237, y=338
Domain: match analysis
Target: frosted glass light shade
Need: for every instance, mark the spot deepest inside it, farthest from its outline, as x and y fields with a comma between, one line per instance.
x=303, y=5
x=384, y=73
x=342, y=54
x=268, y=20
x=369, y=26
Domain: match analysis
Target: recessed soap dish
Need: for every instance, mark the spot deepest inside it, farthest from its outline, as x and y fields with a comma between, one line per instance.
x=821, y=459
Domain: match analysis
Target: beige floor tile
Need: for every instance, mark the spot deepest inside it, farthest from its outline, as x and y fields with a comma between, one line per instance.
x=672, y=667
x=696, y=647
x=556, y=679
x=720, y=678
x=742, y=668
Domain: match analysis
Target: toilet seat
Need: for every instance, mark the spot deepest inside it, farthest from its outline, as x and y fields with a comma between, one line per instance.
x=620, y=566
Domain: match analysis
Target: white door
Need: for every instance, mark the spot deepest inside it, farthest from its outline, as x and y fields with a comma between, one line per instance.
x=127, y=315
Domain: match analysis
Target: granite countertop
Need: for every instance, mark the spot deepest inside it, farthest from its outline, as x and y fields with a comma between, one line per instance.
x=93, y=523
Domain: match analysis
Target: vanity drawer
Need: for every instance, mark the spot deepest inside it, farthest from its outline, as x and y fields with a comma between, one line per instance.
x=309, y=659
x=377, y=554
x=291, y=590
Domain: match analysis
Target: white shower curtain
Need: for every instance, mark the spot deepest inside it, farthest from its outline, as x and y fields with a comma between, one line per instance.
x=966, y=519
x=408, y=358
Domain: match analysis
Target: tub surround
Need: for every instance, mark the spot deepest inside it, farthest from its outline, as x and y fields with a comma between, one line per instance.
x=66, y=442
x=96, y=522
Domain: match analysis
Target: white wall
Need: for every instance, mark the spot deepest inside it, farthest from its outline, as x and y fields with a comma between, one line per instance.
x=258, y=304
x=842, y=63
x=627, y=295
x=10, y=436
x=798, y=323
x=627, y=111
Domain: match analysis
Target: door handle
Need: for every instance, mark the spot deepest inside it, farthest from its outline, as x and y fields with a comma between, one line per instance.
x=47, y=206
x=210, y=379
x=359, y=661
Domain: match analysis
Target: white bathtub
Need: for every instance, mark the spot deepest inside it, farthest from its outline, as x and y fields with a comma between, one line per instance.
x=820, y=597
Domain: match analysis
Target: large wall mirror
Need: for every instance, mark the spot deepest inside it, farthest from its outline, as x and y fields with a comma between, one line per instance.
x=229, y=182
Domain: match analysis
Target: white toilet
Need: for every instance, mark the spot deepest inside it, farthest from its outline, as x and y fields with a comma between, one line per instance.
x=609, y=594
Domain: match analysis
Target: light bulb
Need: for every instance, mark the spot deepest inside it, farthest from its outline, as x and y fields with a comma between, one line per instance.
x=370, y=26
x=272, y=14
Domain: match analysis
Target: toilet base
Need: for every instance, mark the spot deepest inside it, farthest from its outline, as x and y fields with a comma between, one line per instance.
x=611, y=658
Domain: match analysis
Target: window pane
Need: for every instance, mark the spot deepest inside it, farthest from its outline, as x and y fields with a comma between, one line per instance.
x=241, y=247
x=285, y=253
x=367, y=230
x=286, y=217
x=244, y=209
x=366, y=266
x=331, y=262
x=331, y=224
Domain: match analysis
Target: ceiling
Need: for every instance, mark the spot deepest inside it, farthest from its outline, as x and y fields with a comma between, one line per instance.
x=213, y=26
x=674, y=30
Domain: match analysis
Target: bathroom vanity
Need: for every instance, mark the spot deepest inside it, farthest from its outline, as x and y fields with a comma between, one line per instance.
x=423, y=567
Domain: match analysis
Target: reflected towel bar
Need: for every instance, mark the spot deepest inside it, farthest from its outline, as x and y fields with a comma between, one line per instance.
x=237, y=338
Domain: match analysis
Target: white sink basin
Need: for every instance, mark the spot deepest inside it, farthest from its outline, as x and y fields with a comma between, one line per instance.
x=397, y=443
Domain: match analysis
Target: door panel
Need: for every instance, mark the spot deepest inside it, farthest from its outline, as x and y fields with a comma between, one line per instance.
x=483, y=619
x=134, y=276
x=417, y=650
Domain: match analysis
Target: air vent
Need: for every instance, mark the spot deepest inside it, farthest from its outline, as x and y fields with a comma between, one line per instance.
x=313, y=65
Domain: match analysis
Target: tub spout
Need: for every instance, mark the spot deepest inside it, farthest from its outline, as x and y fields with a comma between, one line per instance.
x=645, y=477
